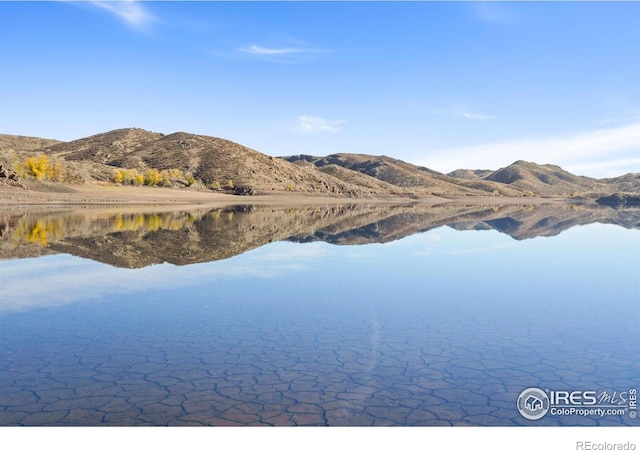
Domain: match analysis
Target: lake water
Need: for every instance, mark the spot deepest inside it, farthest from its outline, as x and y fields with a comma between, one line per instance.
x=343, y=315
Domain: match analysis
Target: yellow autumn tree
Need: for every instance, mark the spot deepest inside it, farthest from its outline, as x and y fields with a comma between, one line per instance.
x=40, y=167
x=189, y=179
x=165, y=178
x=118, y=176
x=56, y=171
x=151, y=177
x=36, y=166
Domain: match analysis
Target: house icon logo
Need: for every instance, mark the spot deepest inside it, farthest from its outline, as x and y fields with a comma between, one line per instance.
x=533, y=403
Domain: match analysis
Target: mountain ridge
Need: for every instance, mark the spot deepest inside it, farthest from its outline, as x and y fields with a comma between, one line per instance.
x=223, y=165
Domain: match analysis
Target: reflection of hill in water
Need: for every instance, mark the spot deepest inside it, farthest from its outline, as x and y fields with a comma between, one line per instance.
x=133, y=240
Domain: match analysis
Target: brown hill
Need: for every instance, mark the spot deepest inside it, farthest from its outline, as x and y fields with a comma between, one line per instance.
x=112, y=148
x=363, y=180
x=390, y=170
x=14, y=148
x=10, y=142
x=470, y=174
x=414, y=179
x=629, y=182
x=548, y=180
x=220, y=164
x=217, y=163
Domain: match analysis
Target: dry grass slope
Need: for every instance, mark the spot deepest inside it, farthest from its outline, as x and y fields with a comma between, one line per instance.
x=412, y=179
x=221, y=165
x=24, y=143
x=549, y=180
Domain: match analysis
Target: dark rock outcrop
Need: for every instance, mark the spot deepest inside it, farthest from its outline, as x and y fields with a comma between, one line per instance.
x=6, y=173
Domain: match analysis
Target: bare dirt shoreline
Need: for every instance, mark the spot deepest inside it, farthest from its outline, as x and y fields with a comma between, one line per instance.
x=53, y=194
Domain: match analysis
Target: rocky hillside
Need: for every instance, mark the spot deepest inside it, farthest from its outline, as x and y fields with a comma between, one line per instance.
x=548, y=180
x=400, y=174
x=217, y=163
x=222, y=165
x=626, y=183
x=469, y=174
x=24, y=143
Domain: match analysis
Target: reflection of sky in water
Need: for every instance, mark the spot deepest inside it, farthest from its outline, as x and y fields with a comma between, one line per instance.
x=441, y=260
x=65, y=279
x=440, y=327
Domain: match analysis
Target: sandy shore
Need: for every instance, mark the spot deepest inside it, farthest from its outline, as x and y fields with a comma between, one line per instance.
x=52, y=194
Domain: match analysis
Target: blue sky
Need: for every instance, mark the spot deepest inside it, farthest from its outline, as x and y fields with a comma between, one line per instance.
x=443, y=84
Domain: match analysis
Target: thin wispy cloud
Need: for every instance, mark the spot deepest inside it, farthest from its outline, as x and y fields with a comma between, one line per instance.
x=473, y=116
x=607, y=169
x=257, y=50
x=133, y=13
x=622, y=119
x=278, y=54
x=270, y=54
x=460, y=111
x=313, y=124
x=600, y=153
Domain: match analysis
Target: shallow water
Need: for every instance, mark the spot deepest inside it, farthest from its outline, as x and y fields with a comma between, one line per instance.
x=439, y=327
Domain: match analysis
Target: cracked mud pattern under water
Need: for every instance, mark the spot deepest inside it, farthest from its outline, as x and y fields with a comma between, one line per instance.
x=225, y=369
x=295, y=349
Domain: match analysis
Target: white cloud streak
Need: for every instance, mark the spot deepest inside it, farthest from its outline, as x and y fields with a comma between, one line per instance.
x=607, y=169
x=473, y=116
x=599, y=153
x=257, y=50
x=278, y=54
x=619, y=120
x=312, y=124
x=131, y=12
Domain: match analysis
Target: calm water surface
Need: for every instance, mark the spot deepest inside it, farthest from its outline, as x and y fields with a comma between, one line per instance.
x=440, y=327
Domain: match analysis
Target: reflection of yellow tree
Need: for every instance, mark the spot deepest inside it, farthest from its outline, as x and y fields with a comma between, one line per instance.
x=38, y=232
x=152, y=222
x=128, y=222
x=44, y=230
